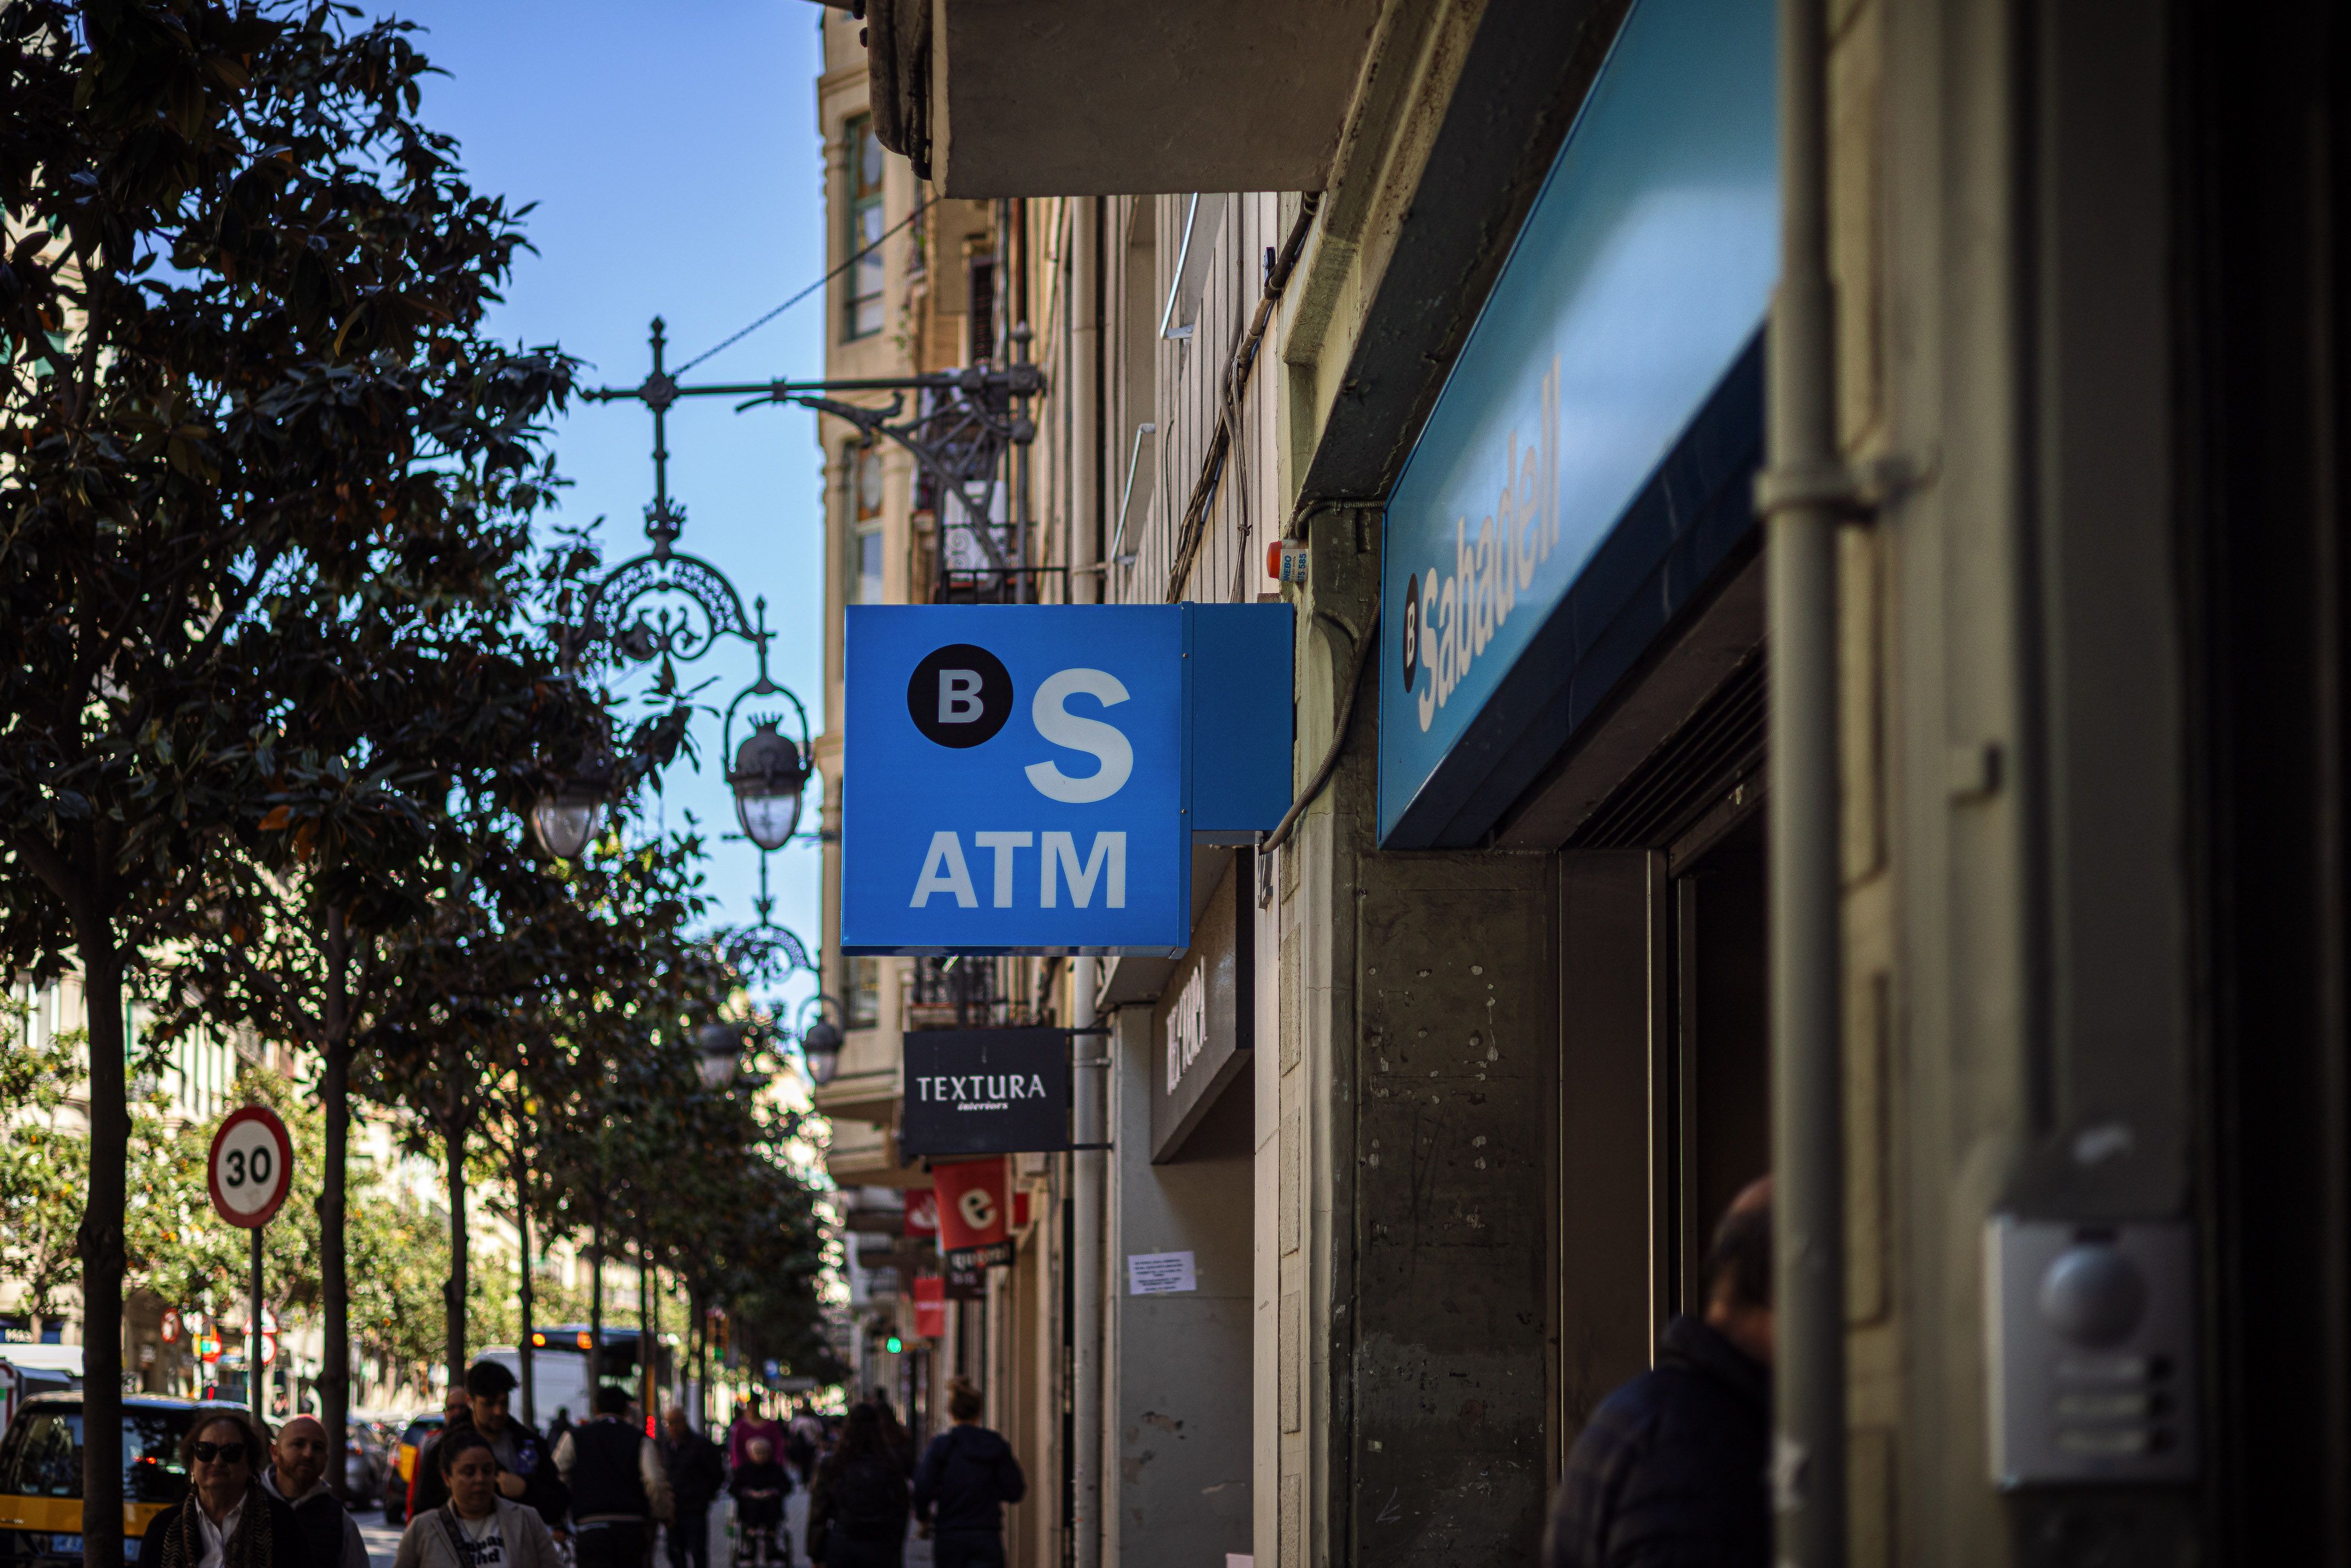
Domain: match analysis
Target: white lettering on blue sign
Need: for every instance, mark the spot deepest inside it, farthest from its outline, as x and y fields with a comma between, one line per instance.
x=1106, y=742
x=944, y=870
x=1454, y=616
x=1014, y=779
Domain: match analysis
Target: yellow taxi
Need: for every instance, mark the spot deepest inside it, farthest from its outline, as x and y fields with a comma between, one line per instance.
x=401, y=1471
x=40, y=1474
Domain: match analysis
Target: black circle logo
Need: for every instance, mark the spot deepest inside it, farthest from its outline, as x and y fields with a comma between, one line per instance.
x=1411, y=638
x=960, y=695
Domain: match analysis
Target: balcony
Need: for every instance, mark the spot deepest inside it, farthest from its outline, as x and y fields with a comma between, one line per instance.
x=967, y=991
x=1006, y=97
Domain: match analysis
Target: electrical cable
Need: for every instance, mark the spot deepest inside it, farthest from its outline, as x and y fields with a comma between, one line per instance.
x=1363, y=644
x=856, y=257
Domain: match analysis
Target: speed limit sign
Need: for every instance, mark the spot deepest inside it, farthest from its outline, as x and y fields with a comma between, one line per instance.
x=252, y=1166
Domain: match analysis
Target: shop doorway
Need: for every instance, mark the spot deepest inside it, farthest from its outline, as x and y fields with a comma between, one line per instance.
x=1713, y=1071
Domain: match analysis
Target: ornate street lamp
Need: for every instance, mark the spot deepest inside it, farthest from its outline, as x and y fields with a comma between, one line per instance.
x=768, y=777
x=721, y=1045
x=770, y=773
x=566, y=814
x=821, y=1042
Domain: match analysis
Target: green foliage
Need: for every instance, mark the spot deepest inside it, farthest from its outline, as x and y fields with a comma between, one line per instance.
x=43, y=1166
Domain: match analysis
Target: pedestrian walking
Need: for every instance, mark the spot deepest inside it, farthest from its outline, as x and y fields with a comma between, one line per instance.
x=1669, y=1473
x=227, y=1519
x=759, y=1485
x=526, y=1472
x=804, y=1438
x=751, y=1421
x=901, y=1442
x=966, y=1478
x=297, y=1477
x=476, y=1526
x=560, y=1425
x=859, y=1505
x=619, y=1487
x=697, y=1473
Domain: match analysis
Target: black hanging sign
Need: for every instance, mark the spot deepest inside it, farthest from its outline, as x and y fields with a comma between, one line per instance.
x=986, y=1091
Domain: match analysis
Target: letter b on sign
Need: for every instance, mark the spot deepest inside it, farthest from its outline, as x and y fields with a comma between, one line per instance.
x=959, y=695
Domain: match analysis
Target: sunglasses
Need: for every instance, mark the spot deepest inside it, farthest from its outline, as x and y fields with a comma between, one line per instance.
x=224, y=1453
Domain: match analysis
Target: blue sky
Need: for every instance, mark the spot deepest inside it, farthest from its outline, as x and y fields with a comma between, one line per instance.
x=673, y=153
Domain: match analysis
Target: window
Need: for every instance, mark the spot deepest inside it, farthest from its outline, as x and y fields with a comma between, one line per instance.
x=864, y=468
x=864, y=228
x=48, y=1457
x=865, y=992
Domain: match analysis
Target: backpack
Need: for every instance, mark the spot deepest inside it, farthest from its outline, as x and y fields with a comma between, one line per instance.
x=870, y=1499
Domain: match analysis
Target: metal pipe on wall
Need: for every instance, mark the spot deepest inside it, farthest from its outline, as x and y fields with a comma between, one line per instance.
x=1802, y=496
x=1089, y=1057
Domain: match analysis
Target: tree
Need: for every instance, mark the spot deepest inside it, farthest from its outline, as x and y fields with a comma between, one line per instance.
x=44, y=1167
x=244, y=311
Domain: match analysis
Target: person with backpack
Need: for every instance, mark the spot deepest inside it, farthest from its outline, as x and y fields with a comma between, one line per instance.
x=859, y=1506
x=966, y=1477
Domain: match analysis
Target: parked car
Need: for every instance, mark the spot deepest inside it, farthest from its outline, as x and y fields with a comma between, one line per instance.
x=40, y=1474
x=413, y=1438
x=363, y=1461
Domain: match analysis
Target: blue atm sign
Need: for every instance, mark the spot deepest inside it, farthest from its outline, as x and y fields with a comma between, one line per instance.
x=1016, y=778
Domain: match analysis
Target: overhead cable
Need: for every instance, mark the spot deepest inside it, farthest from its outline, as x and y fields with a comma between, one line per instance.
x=855, y=257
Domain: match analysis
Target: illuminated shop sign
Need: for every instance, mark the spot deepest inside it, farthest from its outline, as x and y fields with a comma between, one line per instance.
x=1531, y=539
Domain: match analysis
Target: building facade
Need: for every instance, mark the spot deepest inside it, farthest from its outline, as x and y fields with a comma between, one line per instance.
x=1814, y=550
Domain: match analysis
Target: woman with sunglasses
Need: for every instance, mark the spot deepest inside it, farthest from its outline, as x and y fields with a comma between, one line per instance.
x=228, y=1520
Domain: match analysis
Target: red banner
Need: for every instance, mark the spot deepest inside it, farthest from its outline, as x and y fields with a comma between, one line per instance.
x=922, y=1211
x=973, y=1213
x=930, y=1307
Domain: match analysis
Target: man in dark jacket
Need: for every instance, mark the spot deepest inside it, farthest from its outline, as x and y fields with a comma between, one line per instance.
x=527, y=1472
x=966, y=1478
x=1669, y=1473
x=698, y=1472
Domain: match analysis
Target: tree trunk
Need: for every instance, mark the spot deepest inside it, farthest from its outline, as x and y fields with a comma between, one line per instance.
x=645, y=1348
x=522, y=1237
x=452, y=1139
x=101, y=1249
x=595, y=1315
x=334, y=1276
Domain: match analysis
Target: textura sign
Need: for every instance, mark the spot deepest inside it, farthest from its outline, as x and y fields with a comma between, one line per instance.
x=1031, y=778
x=986, y=1091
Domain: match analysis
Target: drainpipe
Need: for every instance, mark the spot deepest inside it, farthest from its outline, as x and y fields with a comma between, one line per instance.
x=1091, y=1055
x=1801, y=496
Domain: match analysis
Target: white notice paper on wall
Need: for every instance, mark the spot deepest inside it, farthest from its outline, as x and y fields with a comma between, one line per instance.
x=1159, y=1273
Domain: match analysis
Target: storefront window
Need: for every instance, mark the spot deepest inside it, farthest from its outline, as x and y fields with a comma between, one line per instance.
x=864, y=228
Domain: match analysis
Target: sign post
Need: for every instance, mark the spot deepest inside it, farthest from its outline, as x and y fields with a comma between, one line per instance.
x=249, y=1172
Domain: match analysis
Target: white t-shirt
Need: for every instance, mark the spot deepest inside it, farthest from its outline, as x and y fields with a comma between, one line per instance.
x=483, y=1545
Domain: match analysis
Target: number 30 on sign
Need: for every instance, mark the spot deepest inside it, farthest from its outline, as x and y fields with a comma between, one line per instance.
x=252, y=1166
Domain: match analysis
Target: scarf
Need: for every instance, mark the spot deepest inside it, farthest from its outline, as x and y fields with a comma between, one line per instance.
x=250, y=1547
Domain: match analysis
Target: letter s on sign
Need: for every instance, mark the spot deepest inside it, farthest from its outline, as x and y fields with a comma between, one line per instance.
x=1107, y=743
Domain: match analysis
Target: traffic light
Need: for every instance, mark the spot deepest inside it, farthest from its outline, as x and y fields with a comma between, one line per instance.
x=894, y=1344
